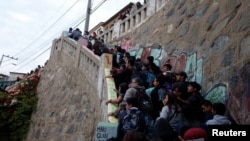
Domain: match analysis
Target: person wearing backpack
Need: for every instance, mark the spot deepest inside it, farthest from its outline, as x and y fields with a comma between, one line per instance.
x=131, y=119
x=158, y=94
x=172, y=113
x=145, y=105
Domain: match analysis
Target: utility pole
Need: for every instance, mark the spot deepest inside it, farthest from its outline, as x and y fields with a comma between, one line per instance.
x=7, y=57
x=87, y=16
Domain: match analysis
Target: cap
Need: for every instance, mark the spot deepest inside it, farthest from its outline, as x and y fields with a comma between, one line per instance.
x=195, y=133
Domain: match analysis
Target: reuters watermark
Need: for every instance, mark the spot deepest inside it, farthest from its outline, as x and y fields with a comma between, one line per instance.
x=226, y=131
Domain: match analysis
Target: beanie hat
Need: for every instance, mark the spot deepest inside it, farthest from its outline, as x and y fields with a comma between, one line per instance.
x=195, y=134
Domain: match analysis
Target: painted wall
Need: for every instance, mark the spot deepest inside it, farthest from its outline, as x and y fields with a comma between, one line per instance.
x=210, y=40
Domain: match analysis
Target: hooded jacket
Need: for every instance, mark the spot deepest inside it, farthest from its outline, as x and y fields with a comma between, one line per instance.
x=219, y=120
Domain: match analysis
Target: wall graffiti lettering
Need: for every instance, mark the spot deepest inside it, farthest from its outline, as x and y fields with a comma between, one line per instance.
x=217, y=93
x=101, y=133
x=104, y=131
x=199, y=71
x=190, y=68
x=239, y=94
x=181, y=62
x=145, y=53
x=236, y=91
x=187, y=63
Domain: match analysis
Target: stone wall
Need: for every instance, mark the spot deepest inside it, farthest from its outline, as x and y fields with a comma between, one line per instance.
x=209, y=39
x=69, y=106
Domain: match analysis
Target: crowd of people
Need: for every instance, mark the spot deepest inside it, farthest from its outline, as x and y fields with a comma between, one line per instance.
x=95, y=44
x=155, y=103
x=176, y=108
x=131, y=10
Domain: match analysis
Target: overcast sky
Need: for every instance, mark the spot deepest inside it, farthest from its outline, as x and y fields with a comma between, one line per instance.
x=28, y=28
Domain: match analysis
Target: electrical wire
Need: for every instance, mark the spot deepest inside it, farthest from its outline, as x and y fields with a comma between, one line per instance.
x=98, y=6
x=50, y=19
x=83, y=19
x=42, y=46
x=43, y=33
x=6, y=65
x=34, y=57
x=92, y=11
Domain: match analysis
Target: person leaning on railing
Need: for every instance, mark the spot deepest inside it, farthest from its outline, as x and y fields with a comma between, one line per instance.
x=120, y=92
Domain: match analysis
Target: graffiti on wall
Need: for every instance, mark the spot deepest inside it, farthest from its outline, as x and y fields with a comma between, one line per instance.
x=239, y=94
x=217, y=93
x=182, y=62
x=156, y=51
x=194, y=68
x=191, y=66
x=236, y=95
x=199, y=71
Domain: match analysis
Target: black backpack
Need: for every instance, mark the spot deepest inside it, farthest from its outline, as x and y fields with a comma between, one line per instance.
x=144, y=101
x=131, y=121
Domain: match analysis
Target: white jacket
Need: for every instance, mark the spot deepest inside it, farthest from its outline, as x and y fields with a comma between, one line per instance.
x=219, y=120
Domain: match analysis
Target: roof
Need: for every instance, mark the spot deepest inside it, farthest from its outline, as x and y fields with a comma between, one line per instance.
x=3, y=75
x=16, y=73
x=96, y=27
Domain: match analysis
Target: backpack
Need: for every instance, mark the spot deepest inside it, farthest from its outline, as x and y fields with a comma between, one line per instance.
x=135, y=73
x=164, y=130
x=150, y=125
x=131, y=121
x=144, y=101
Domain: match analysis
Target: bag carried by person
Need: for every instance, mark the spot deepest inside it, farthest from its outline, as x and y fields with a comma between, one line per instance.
x=164, y=131
x=131, y=121
x=144, y=101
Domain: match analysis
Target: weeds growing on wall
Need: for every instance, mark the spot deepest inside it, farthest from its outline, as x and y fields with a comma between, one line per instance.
x=16, y=111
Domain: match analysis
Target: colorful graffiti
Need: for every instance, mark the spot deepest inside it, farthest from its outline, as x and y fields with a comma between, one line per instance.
x=199, y=70
x=189, y=64
x=237, y=92
x=217, y=93
x=236, y=95
x=180, y=62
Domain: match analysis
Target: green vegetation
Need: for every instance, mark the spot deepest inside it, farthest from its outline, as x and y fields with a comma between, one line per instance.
x=16, y=111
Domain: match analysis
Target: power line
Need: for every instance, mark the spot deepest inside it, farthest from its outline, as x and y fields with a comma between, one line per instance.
x=99, y=5
x=35, y=57
x=42, y=46
x=6, y=65
x=36, y=39
x=42, y=27
x=49, y=27
x=92, y=11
